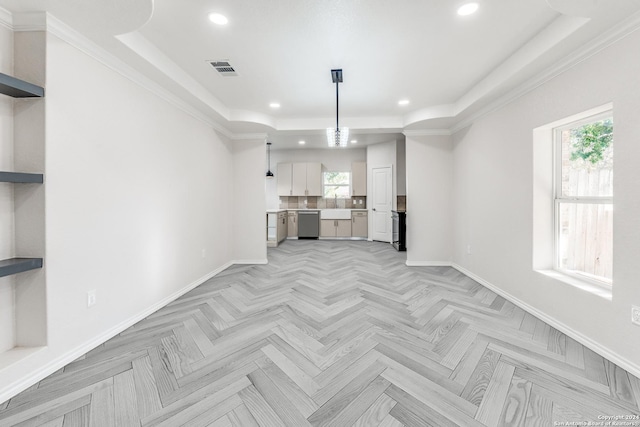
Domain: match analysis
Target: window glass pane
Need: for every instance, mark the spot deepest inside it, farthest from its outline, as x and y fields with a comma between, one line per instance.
x=340, y=191
x=336, y=178
x=336, y=184
x=587, y=159
x=585, y=241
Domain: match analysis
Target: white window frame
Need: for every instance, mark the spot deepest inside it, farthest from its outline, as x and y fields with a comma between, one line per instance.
x=324, y=183
x=558, y=198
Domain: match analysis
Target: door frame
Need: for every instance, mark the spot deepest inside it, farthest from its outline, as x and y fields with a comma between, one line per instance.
x=371, y=204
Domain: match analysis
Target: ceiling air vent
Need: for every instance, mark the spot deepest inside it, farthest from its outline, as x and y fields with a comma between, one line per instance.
x=224, y=68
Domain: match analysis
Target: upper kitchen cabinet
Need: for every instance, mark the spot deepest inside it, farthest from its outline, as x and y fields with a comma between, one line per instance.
x=314, y=179
x=307, y=179
x=285, y=179
x=358, y=179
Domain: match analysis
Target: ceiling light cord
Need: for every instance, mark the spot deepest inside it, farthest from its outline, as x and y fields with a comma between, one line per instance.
x=337, y=137
x=269, y=173
x=337, y=110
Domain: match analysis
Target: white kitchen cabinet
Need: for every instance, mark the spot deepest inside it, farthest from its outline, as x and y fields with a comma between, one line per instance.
x=292, y=226
x=335, y=228
x=327, y=228
x=276, y=228
x=306, y=179
x=314, y=179
x=343, y=228
x=299, y=181
x=359, y=224
x=358, y=179
x=282, y=226
x=284, y=175
x=272, y=229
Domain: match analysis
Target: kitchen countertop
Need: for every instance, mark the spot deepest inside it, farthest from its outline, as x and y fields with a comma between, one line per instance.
x=315, y=209
x=320, y=209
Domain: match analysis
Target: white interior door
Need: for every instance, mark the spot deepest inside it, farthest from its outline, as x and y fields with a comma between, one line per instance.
x=381, y=180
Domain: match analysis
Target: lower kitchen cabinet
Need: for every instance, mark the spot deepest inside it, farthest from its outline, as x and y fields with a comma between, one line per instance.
x=276, y=228
x=292, y=226
x=359, y=224
x=335, y=228
x=282, y=226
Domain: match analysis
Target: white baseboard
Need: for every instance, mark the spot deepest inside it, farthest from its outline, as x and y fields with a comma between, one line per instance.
x=250, y=261
x=70, y=356
x=428, y=263
x=625, y=364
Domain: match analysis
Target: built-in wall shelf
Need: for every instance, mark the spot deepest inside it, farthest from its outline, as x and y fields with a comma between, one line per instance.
x=21, y=177
x=19, y=88
x=18, y=265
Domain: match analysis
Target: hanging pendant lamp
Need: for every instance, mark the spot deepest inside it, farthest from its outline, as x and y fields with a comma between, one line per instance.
x=337, y=137
x=269, y=173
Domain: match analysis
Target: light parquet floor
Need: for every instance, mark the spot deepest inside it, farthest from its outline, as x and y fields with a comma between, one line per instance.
x=334, y=334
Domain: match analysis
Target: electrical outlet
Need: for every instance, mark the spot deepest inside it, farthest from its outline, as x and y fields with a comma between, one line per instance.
x=204, y=253
x=468, y=249
x=635, y=315
x=91, y=298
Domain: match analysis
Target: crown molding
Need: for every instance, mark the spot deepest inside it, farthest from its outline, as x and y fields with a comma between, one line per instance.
x=6, y=18
x=590, y=49
x=427, y=132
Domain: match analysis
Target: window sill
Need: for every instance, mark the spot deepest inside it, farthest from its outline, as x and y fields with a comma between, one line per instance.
x=603, y=291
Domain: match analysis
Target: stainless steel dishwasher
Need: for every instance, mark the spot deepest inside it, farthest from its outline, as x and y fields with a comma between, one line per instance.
x=308, y=224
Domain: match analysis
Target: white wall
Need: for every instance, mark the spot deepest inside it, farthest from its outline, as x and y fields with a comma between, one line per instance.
x=7, y=242
x=401, y=161
x=337, y=160
x=135, y=190
x=429, y=201
x=493, y=193
x=249, y=207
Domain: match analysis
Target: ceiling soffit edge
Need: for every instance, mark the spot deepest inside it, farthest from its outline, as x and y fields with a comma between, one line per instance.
x=30, y=21
x=427, y=132
x=596, y=45
x=249, y=136
x=39, y=21
x=154, y=56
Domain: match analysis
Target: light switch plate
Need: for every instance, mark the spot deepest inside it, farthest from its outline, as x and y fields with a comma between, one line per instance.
x=91, y=298
x=635, y=315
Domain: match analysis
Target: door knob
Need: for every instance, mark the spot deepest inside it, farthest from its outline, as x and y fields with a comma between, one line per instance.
x=374, y=209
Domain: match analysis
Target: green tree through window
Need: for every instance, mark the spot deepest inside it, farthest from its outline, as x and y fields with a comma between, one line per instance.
x=590, y=142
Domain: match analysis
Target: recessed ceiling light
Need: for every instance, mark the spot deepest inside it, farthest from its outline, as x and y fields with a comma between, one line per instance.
x=301, y=142
x=467, y=9
x=403, y=102
x=354, y=141
x=274, y=105
x=218, y=18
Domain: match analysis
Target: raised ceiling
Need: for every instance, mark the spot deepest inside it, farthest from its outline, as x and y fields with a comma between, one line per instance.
x=449, y=67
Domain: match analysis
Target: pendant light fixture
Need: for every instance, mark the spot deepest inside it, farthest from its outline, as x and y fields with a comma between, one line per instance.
x=269, y=173
x=337, y=137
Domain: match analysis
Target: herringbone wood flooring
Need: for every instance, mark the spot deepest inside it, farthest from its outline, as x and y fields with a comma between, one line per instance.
x=333, y=334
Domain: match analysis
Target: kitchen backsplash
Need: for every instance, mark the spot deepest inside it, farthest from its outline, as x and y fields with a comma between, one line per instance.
x=402, y=203
x=314, y=202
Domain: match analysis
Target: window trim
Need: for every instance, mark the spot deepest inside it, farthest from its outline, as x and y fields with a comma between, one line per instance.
x=558, y=198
